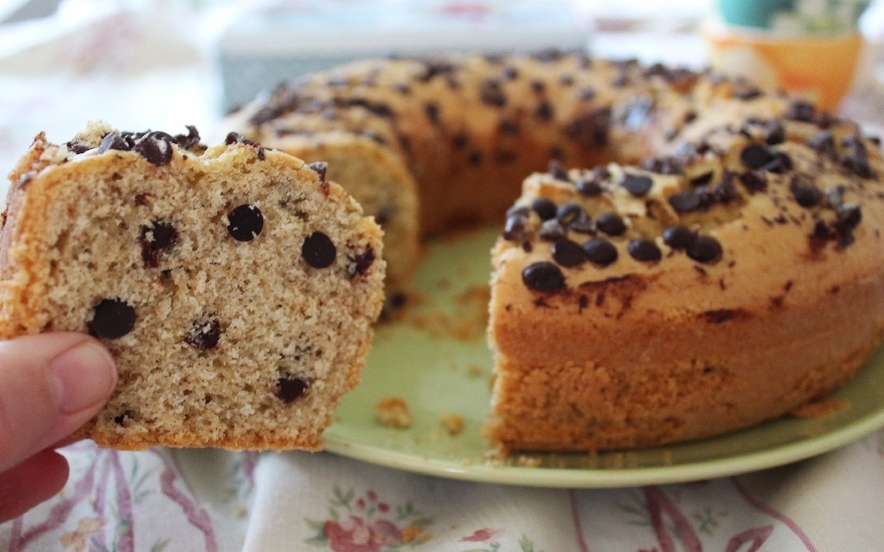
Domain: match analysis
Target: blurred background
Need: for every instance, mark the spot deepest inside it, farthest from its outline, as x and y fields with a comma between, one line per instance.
x=163, y=64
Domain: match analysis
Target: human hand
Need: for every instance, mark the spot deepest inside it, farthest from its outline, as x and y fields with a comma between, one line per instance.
x=50, y=385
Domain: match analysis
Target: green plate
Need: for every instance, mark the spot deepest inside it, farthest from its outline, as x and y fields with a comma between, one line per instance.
x=437, y=360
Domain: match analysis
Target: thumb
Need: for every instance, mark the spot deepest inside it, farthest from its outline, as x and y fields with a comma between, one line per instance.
x=50, y=385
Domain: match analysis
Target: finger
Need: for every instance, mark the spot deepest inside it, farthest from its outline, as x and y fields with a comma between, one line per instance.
x=36, y=479
x=50, y=384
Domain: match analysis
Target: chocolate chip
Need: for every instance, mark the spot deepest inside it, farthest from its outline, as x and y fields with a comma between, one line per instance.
x=432, y=112
x=157, y=238
x=557, y=170
x=780, y=163
x=801, y=110
x=685, y=201
x=543, y=276
x=514, y=228
x=245, y=223
x=460, y=140
x=114, y=141
x=318, y=250
x=545, y=111
x=704, y=249
x=586, y=93
x=582, y=223
x=775, y=133
x=492, y=94
x=289, y=388
x=360, y=263
x=569, y=212
x=746, y=92
x=204, y=334
x=320, y=168
x=600, y=251
x=678, y=237
x=642, y=249
x=703, y=179
x=805, y=193
x=568, y=253
x=509, y=73
x=637, y=184
x=756, y=156
x=544, y=207
x=508, y=127
x=849, y=215
x=589, y=188
x=754, y=181
x=552, y=230
x=664, y=165
x=112, y=319
x=611, y=224
x=156, y=147
x=823, y=142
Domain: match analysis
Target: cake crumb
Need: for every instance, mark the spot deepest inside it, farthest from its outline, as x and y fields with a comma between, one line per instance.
x=821, y=408
x=394, y=412
x=475, y=371
x=453, y=423
x=528, y=461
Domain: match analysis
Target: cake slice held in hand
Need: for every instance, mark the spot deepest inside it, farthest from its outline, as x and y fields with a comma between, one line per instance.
x=235, y=286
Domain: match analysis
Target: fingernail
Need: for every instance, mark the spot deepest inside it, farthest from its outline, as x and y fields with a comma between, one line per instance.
x=82, y=377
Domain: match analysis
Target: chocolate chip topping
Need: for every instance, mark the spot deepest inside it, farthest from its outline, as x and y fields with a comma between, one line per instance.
x=156, y=147
x=754, y=181
x=289, y=388
x=112, y=319
x=637, y=184
x=642, y=249
x=360, y=263
x=557, y=170
x=805, y=193
x=318, y=250
x=600, y=251
x=589, y=187
x=543, y=276
x=801, y=110
x=611, y=224
x=685, y=201
x=568, y=253
x=320, y=168
x=204, y=334
x=552, y=230
x=569, y=212
x=678, y=237
x=245, y=223
x=704, y=249
x=544, y=207
x=115, y=141
x=492, y=94
x=157, y=238
x=756, y=156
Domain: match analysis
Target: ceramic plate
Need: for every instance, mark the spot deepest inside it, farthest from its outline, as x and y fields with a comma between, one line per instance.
x=436, y=359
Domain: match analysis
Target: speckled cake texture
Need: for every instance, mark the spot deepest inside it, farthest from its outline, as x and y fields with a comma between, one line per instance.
x=702, y=255
x=235, y=285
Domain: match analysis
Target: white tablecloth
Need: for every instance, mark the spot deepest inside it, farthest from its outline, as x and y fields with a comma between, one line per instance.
x=148, y=69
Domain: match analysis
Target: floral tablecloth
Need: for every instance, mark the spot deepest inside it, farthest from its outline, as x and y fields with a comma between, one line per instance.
x=146, y=66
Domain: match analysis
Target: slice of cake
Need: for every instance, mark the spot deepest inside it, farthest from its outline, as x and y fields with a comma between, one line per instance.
x=235, y=286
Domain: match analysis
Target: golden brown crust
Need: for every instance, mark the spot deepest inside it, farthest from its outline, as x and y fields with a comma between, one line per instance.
x=228, y=329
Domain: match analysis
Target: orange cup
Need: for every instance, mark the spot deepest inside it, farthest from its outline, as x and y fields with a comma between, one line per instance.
x=820, y=68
